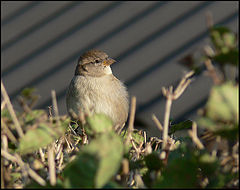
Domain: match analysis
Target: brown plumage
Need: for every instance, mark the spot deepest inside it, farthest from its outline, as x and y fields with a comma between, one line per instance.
x=95, y=88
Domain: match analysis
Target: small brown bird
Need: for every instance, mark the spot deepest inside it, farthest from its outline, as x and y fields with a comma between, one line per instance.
x=95, y=88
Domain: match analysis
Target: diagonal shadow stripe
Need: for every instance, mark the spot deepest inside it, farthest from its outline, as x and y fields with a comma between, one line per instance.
x=18, y=13
x=59, y=38
x=189, y=112
x=38, y=25
x=175, y=53
x=102, y=39
x=159, y=97
x=180, y=19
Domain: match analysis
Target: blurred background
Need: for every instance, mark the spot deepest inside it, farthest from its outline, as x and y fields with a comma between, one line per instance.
x=41, y=42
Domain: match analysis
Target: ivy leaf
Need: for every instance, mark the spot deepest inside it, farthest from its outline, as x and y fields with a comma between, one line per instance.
x=98, y=123
x=96, y=163
x=230, y=57
x=180, y=126
x=223, y=103
x=41, y=136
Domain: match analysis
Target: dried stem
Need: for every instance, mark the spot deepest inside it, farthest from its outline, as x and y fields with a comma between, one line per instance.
x=157, y=122
x=42, y=155
x=209, y=19
x=8, y=156
x=51, y=165
x=55, y=107
x=170, y=95
x=11, y=110
x=3, y=104
x=193, y=135
x=16, y=158
x=8, y=132
x=166, y=121
x=131, y=119
x=212, y=72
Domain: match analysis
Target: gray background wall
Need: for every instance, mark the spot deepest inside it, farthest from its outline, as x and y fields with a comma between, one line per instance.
x=41, y=42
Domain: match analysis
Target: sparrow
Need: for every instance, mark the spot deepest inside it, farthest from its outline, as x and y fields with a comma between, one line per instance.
x=94, y=87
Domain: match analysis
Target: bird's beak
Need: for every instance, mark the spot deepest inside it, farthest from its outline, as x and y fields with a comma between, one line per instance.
x=108, y=61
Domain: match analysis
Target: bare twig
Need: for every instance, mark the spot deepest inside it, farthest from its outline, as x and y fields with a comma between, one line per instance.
x=11, y=110
x=138, y=180
x=41, y=155
x=51, y=165
x=212, y=72
x=8, y=132
x=16, y=158
x=193, y=135
x=22, y=103
x=157, y=122
x=59, y=148
x=131, y=119
x=4, y=142
x=170, y=95
x=166, y=121
x=69, y=146
x=8, y=156
x=125, y=166
x=69, y=125
x=209, y=19
x=3, y=104
x=60, y=162
x=2, y=177
x=55, y=107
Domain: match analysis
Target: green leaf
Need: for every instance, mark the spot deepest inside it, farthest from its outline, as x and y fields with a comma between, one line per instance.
x=96, y=163
x=208, y=164
x=28, y=92
x=229, y=131
x=34, y=185
x=153, y=161
x=112, y=185
x=98, y=123
x=41, y=136
x=207, y=123
x=180, y=173
x=223, y=103
x=180, y=126
x=230, y=57
x=33, y=115
x=216, y=34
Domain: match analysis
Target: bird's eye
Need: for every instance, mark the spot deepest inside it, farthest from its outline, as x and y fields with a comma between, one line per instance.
x=97, y=61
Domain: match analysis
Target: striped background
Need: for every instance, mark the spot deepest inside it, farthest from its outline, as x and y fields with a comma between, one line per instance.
x=42, y=40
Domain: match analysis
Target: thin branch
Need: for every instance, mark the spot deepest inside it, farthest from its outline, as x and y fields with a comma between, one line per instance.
x=42, y=155
x=182, y=85
x=3, y=104
x=131, y=119
x=209, y=19
x=55, y=107
x=166, y=121
x=11, y=110
x=51, y=165
x=170, y=95
x=31, y=172
x=212, y=72
x=193, y=135
x=157, y=122
x=16, y=158
x=69, y=125
x=8, y=156
x=8, y=132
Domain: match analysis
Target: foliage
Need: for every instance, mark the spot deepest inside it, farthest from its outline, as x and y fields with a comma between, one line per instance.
x=89, y=153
